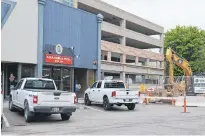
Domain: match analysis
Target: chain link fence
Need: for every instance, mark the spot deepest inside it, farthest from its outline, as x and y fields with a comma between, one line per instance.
x=169, y=86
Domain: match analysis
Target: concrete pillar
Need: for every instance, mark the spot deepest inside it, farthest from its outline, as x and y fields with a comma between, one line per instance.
x=6, y=81
x=161, y=64
x=161, y=50
x=143, y=78
x=39, y=67
x=136, y=60
x=123, y=23
x=147, y=62
x=19, y=72
x=103, y=54
x=102, y=75
x=162, y=40
x=123, y=41
x=99, y=19
x=123, y=58
x=158, y=64
x=72, y=80
x=122, y=76
x=109, y=56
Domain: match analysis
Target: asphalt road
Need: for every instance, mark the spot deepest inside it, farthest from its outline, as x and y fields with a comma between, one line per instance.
x=145, y=119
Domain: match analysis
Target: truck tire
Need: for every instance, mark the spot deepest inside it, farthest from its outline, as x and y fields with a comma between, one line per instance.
x=65, y=117
x=131, y=106
x=87, y=100
x=11, y=105
x=106, y=104
x=27, y=114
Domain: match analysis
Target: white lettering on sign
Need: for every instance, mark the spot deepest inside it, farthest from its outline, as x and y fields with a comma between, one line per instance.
x=150, y=89
x=199, y=80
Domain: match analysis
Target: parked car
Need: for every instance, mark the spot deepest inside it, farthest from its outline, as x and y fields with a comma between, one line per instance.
x=40, y=96
x=111, y=92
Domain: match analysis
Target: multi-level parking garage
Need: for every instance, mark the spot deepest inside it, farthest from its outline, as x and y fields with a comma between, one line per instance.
x=127, y=43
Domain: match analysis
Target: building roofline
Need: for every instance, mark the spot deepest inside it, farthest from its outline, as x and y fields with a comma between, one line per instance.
x=121, y=10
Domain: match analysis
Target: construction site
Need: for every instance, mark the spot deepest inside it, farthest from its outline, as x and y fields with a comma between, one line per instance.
x=186, y=90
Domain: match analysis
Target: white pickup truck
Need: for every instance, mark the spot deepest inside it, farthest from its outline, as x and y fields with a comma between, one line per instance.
x=37, y=96
x=111, y=92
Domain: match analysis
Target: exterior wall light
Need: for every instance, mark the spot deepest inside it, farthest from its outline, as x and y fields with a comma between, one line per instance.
x=95, y=62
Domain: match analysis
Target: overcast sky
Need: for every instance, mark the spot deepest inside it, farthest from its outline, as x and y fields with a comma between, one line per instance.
x=167, y=13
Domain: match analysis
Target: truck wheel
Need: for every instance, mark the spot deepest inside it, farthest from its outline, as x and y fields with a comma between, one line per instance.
x=87, y=100
x=27, y=114
x=106, y=104
x=131, y=106
x=11, y=106
x=65, y=117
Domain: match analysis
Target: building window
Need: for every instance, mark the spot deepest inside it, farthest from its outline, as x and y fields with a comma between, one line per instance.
x=27, y=71
x=61, y=75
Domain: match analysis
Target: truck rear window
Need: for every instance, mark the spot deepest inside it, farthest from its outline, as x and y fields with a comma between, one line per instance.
x=114, y=85
x=39, y=84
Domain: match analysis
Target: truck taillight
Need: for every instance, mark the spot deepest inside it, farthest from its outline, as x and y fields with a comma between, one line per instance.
x=139, y=94
x=113, y=93
x=1, y=91
x=35, y=99
x=75, y=99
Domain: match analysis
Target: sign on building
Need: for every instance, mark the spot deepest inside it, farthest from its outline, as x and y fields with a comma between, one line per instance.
x=199, y=84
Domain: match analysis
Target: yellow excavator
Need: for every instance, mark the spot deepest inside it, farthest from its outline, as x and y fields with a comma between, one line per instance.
x=172, y=87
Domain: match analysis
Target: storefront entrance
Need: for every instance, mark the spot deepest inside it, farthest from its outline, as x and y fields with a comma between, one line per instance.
x=61, y=75
x=11, y=73
x=8, y=70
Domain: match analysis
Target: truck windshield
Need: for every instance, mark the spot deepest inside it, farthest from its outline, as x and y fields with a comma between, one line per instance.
x=114, y=85
x=39, y=84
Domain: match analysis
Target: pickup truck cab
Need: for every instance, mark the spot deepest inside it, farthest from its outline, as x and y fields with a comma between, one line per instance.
x=111, y=92
x=37, y=96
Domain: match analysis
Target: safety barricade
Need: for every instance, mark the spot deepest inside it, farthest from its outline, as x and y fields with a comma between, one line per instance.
x=191, y=101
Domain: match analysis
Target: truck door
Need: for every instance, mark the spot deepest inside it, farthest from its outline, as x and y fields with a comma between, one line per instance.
x=17, y=92
x=92, y=91
x=97, y=92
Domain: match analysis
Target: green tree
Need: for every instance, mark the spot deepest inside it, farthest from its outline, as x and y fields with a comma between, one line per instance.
x=189, y=43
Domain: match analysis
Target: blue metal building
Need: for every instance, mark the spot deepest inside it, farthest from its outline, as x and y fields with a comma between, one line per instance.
x=69, y=43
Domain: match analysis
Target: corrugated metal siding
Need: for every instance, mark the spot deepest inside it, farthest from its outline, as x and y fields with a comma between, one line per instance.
x=4, y=9
x=72, y=27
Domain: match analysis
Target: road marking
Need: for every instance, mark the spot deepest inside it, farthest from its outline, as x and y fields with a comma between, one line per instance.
x=93, y=108
x=6, y=121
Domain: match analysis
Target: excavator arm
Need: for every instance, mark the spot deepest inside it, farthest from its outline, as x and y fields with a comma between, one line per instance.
x=174, y=59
